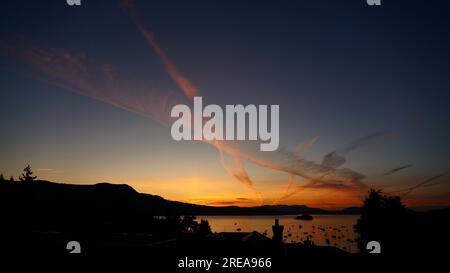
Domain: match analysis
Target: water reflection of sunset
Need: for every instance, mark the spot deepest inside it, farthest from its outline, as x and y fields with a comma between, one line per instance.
x=325, y=230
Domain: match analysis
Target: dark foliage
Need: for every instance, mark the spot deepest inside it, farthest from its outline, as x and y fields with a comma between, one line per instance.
x=399, y=230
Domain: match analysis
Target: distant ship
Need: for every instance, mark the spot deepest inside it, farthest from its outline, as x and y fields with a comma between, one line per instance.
x=304, y=216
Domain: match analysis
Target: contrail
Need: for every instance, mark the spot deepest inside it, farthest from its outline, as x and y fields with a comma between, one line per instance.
x=396, y=170
x=185, y=85
x=236, y=169
x=337, y=158
x=330, y=164
x=424, y=183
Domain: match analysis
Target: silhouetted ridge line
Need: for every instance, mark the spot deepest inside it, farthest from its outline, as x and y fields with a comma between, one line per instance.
x=42, y=193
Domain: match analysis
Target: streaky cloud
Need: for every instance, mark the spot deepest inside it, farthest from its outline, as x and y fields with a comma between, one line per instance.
x=185, y=85
x=392, y=171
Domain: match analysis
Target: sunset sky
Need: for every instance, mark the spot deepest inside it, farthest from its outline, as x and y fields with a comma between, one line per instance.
x=363, y=91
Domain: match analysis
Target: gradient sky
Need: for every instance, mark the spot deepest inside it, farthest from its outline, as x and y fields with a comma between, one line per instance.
x=82, y=87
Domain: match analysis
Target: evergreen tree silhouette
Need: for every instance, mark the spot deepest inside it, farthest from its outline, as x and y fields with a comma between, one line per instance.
x=27, y=175
x=1, y=177
x=11, y=179
x=204, y=228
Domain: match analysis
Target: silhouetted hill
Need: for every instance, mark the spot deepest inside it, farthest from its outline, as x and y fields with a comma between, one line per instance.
x=122, y=198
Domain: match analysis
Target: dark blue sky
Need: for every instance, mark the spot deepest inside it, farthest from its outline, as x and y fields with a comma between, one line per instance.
x=338, y=69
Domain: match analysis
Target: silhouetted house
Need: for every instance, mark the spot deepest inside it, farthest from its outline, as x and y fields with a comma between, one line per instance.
x=232, y=236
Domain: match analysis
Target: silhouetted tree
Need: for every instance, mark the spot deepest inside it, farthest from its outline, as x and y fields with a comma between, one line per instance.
x=188, y=224
x=11, y=179
x=383, y=219
x=203, y=228
x=27, y=175
x=1, y=177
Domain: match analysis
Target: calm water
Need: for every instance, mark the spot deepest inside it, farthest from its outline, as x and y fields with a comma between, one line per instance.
x=333, y=230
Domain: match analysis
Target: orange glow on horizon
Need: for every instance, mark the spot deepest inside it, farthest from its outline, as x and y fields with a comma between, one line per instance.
x=200, y=191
